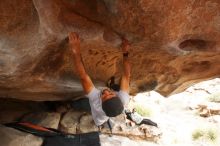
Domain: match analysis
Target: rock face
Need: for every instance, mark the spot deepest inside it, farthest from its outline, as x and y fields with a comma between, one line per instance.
x=71, y=121
x=11, y=137
x=174, y=44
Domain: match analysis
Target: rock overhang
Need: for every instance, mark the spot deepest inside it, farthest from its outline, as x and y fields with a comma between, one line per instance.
x=174, y=44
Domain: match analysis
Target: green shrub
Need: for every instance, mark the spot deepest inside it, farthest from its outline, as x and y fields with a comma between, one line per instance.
x=214, y=97
x=209, y=134
x=212, y=135
x=197, y=134
x=143, y=111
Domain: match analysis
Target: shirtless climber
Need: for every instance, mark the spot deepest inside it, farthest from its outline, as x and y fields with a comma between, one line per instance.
x=104, y=103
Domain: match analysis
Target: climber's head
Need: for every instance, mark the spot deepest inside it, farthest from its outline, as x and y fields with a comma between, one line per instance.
x=111, y=103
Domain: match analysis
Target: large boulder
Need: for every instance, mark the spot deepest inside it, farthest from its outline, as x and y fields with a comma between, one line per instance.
x=12, y=137
x=175, y=43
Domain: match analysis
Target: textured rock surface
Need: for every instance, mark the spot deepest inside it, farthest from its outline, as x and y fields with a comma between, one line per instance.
x=70, y=122
x=12, y=137
x=79, y=122
x=74, y=122
x=47, y=119
x=175, y=43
